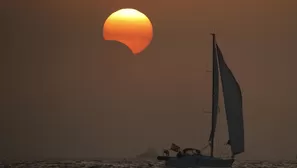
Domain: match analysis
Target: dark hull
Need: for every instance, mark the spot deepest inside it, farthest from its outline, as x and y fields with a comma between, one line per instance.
x=196, y=161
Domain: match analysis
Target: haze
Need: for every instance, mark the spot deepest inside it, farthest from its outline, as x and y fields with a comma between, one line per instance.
x=65, y=92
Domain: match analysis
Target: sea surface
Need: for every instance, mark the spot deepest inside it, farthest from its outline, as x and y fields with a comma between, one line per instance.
x=132, y=163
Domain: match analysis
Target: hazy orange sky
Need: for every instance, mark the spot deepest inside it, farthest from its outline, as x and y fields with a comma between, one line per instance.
x=65, y=92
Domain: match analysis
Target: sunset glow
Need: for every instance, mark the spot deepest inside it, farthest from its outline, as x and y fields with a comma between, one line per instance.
x=129, y=27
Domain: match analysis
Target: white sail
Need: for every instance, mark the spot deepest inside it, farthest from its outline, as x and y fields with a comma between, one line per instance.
x=233, y=105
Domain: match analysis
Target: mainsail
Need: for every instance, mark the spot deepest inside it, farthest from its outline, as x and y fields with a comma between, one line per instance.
x=233, y=105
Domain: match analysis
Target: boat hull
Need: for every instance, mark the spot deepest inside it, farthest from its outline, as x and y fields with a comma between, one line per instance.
x=196, y=161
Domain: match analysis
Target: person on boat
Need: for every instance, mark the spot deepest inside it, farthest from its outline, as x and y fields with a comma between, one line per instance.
x=166, y=152
x=197, y=152
x=179, y=154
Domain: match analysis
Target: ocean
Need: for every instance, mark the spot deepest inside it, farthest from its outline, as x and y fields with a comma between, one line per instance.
x=132, y=163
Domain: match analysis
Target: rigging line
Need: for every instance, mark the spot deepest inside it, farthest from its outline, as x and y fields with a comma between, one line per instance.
x=204, y=147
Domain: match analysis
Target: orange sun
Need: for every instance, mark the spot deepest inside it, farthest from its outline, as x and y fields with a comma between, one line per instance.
x=130, y=27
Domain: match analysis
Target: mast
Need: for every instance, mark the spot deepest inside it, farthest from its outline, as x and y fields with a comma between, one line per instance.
x=215, y=90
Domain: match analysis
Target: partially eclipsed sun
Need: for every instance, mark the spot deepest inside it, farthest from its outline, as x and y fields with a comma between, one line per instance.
x=129, y=27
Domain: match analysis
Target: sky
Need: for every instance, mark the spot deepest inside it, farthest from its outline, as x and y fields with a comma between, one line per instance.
x=67, y=93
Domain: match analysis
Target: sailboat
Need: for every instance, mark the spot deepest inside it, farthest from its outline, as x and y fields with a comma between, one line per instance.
x=233, y=107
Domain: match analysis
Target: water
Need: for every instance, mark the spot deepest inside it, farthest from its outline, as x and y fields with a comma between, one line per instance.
x=123, y=163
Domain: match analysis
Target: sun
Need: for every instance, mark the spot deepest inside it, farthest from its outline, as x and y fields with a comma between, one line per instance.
x=130, y=27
